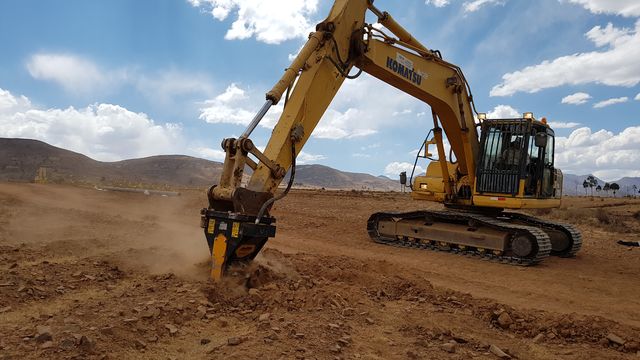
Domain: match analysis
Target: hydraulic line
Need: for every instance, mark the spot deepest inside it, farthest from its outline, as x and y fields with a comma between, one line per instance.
x=286, y=191
x=415, y=163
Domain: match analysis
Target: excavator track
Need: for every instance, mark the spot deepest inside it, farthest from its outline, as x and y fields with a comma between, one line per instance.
x=567, y=247
x=539, y=238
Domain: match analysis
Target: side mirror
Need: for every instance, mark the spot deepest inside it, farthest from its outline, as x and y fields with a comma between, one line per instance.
x=403, y=178
x=541, y=139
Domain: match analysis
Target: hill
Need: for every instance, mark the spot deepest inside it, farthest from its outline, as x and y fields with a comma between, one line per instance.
x=321, y=176
x=572, y=184
x=20, y=160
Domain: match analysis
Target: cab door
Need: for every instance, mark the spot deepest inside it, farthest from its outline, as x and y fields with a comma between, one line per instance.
x=504, y=156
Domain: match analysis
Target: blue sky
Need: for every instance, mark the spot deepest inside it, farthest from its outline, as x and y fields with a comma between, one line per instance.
x=119, y=79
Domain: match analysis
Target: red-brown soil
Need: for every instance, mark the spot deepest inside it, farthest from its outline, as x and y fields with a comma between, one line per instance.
x=106, y=275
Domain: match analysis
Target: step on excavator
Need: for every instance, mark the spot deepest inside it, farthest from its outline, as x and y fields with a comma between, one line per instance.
x=494, y=166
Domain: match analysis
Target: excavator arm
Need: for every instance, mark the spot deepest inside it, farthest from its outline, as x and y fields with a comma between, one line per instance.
x=237, y=222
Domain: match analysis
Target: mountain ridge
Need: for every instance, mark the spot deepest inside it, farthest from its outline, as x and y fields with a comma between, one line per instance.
x=20, y=160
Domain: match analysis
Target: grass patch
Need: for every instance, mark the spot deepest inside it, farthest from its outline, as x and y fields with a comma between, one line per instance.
x=600, y=218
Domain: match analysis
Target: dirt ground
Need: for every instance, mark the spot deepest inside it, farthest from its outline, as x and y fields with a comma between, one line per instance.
x=106, y=275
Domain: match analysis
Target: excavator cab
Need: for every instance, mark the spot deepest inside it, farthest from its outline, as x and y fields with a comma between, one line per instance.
x=515, y=151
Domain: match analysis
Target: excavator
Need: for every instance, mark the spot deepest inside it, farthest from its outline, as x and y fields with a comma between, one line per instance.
x=493, y=166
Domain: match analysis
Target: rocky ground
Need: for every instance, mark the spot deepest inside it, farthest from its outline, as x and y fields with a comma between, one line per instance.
x=107, y=275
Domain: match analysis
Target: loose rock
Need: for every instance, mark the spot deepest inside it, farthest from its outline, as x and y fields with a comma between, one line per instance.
x=202, y=312
x=264, y=317
x=234, y=341
x=505, y=320
x=172, y=328
x=449, y=347
x=538, y=338
x=67, y=344
x=615, y=339
x=86, y=344
x=498, y=352
x=631, y=346
x=107, y=330
x=43, y=334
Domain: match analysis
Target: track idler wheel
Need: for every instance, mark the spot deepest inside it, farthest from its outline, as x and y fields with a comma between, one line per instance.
x=523, y=246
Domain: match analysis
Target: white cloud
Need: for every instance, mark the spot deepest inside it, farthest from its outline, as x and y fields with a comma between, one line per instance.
x=578, y=98
x=563, y=125
x=371, y=146
x=402, y=112
x=9, y=103
x=361, y=155
x=629, y=8
x=395, y=168
x=503, y=112
x=343, y=125
x=607, y=35
x=236, y=106
x=467, y=6
x=637, y=97
x=475, y=5
x=615, y=66
x=508, y=112
x=103, y=131
x=438, y=3
x=365, y=106
x=208, y=153
x=219, y=155
x=81, y=76
x=306, y=158
x=271, y=22
x=75, y=74
x=603, y=153
x=355, y=112
x=610, y=102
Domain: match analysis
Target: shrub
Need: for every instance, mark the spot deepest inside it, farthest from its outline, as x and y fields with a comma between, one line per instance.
x=603, y=216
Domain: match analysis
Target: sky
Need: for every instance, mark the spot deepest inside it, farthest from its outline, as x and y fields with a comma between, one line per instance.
x=118, y=79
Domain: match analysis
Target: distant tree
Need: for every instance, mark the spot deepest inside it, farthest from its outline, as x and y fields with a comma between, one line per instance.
x=635, y=190
x=614, y=187
x=598, y=188
x=585, y=184
x=606, y=188
x=592, y=182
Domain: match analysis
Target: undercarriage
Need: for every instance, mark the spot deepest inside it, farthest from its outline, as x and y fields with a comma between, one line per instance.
x=510, y=238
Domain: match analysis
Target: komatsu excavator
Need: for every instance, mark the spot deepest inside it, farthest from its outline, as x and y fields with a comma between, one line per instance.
x=493, y=165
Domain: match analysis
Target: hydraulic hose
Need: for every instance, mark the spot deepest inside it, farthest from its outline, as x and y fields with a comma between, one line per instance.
x=415, y=163
x=269, y=202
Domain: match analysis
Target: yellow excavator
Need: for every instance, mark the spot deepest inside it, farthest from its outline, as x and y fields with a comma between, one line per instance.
x=493, y=164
